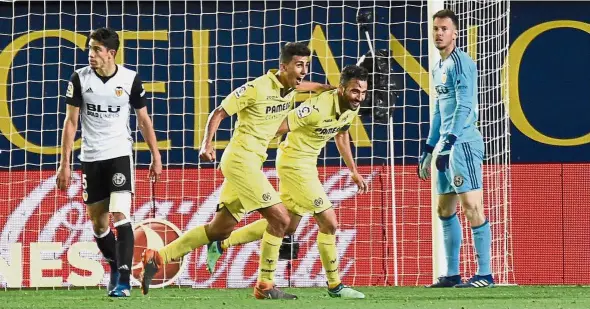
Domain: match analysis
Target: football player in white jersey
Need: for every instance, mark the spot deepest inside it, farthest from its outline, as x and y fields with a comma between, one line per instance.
x=102, y=95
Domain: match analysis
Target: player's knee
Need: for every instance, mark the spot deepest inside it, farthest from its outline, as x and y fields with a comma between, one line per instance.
x=445, y=211
x=118, y=216
x=100, y=224
x=472, y=210
x=290, y=230
x=329, y=228
x=280, y=222
x=99, y=227
x=218, y=232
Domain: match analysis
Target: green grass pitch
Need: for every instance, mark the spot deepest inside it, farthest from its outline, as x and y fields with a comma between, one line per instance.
x=377, y=297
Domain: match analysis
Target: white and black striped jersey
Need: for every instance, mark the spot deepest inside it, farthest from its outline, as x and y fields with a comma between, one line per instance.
x=105, y=106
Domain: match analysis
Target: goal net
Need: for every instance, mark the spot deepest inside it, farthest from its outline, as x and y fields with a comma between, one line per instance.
x=191, y=55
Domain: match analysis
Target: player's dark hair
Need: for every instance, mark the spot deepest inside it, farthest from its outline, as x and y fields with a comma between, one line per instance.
x=447, y=14
x=294, y=49
x=353, y=72
x=106, y=37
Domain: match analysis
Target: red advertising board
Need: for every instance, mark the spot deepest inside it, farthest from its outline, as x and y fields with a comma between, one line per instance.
x=46, y=238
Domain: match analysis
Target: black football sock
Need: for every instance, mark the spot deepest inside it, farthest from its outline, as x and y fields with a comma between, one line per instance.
x=106, y=245
x=125, y=243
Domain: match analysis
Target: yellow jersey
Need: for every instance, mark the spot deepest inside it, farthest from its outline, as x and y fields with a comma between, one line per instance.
x=261, y=110
x=313, y=123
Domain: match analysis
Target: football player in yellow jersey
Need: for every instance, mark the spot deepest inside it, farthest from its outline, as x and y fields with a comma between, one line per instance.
x=310, y=126
x=261, y=106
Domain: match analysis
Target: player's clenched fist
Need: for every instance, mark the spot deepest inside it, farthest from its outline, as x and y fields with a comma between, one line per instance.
x=207, y=153
x=63, y=177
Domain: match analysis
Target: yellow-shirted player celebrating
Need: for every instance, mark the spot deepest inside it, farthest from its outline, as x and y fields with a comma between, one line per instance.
x=310, y=126
x=261, y=106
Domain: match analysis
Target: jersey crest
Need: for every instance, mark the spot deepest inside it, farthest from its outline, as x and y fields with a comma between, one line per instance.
x=119, y=91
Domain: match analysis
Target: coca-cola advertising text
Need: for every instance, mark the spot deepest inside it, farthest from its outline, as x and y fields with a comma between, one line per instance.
x=47, y=238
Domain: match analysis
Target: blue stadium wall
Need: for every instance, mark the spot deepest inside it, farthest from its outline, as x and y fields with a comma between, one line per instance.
x=549, y=61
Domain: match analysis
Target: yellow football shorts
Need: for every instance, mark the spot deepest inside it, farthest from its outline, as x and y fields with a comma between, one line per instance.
x=302, y=192
x=245, y=187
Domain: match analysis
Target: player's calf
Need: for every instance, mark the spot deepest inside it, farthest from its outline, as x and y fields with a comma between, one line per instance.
x=105, y=241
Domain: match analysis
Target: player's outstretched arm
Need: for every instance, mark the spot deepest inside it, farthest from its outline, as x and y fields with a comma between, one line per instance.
x=306, y=86
x=207, y=152
x=342, y=140
x=147, y=131
x=67, y=143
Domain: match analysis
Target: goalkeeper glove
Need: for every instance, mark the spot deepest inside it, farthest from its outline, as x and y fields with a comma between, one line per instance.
x=442, y=160
x=424, y=162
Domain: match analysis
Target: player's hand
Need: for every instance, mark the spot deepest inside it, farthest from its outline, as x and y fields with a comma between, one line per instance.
x=360, y=182
x=442, y=160
x=64, y=173
x=207, y=153
x=155, y=170
x=424, y=162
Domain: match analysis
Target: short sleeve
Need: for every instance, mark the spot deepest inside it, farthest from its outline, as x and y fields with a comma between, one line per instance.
x=305, y=114
x=137, y=98
x=239, y=99
x=74, y=91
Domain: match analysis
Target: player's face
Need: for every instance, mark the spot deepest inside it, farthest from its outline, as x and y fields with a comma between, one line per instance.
x=295, y=70
x=98, y=55
x=354, y=93
x=444, y=33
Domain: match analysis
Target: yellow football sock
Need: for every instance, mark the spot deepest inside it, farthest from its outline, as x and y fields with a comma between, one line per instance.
x=329, y=257
x=246, y=234
x=190, y=240
x=269, y=254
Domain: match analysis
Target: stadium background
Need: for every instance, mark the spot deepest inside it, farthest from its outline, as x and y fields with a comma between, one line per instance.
x=550, y=218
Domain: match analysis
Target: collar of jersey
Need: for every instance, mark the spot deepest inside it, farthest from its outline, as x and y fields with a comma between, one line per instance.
x=272, y=74
x=105, y=79
x=336, y=103
x=455, y=51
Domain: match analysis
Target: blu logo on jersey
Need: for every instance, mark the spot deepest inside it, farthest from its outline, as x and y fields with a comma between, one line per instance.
x=100, y=108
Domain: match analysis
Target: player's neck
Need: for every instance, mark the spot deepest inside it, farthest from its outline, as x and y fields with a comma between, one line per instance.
x=444, y=53
x=107, y=71
x=283, y=80
x=342, y=104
